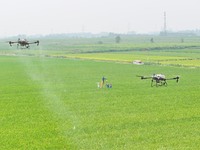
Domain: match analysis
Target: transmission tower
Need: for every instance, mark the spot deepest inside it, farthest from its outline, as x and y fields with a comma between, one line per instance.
x=165, y=23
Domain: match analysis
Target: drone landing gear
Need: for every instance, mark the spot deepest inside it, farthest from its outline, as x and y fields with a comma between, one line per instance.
x=24, y=47
x=158, y=83
x=164, y=83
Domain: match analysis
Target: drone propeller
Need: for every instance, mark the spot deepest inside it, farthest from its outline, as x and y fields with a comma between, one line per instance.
x=177, y=78
x=37, y=42
x=10, y=43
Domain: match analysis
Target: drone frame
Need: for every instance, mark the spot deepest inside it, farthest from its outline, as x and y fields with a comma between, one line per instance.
x=23, y=44
x=159, y=81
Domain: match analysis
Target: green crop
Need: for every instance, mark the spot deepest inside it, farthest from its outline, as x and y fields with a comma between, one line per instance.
x=49, y=98
x=53, y=103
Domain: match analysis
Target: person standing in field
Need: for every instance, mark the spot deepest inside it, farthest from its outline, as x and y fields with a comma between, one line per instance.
x=103, y=81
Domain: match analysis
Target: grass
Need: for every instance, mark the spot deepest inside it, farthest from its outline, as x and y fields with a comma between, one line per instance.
x=54, y=103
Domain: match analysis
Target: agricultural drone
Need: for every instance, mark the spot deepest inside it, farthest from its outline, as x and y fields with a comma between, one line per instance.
x=159, y=79
x=23, y=43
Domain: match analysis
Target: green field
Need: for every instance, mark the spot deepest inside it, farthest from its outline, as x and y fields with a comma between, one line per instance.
x=50, y=100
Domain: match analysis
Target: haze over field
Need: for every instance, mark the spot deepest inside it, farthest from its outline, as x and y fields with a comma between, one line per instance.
x=66, y=16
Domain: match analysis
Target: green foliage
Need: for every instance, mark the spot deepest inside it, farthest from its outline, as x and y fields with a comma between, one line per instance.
x=118, y=39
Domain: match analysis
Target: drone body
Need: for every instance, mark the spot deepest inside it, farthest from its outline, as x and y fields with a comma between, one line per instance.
x=159, y=79
x=23, y=43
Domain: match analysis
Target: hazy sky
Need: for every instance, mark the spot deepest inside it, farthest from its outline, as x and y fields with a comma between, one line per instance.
x=69, y=16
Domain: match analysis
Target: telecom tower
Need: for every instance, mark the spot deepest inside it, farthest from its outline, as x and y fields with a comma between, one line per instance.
x=165, y=24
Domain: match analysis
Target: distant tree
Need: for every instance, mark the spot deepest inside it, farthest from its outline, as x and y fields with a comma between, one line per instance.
x=182, y=40
x=118, y=39
x=152, y=40
x=100, y=42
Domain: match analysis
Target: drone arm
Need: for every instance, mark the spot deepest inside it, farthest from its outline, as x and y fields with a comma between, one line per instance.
x=37, y=42
x=175, y=78
x=10, y=43
x=142, y=77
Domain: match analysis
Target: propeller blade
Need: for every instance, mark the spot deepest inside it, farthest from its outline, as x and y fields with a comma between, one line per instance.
x=10, y=43
x=177, y=78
